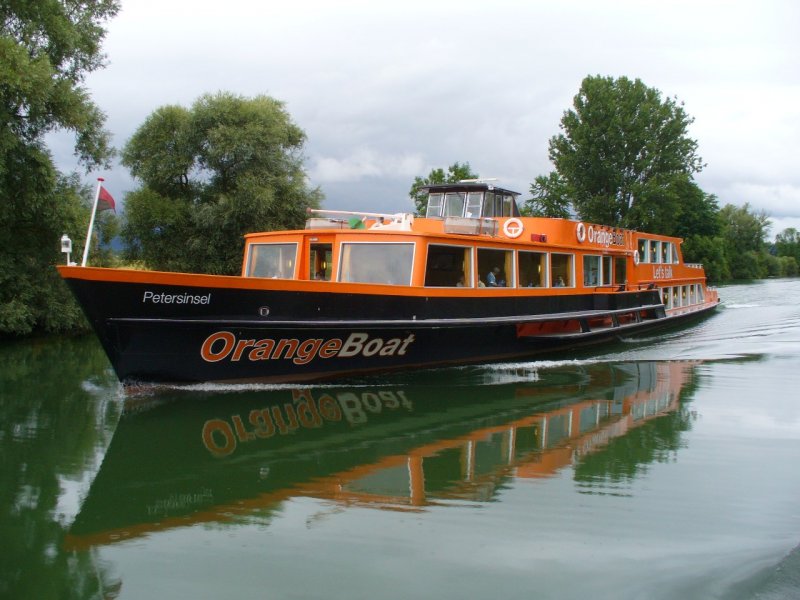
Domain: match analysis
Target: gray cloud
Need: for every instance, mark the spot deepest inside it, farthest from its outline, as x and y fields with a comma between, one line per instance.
x=387, y=92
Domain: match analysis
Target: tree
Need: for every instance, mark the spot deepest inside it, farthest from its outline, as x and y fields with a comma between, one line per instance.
x=745, y=233
x=787, y=243
x=550, y=197
x=455, y=173
x=623, y=157
x=227, y=166
x=46, y=50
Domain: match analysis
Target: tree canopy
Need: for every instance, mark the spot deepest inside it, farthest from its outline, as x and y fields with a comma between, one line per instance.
x=455, y=173
x=624, y=157
x=209, y=174
x=47, y=48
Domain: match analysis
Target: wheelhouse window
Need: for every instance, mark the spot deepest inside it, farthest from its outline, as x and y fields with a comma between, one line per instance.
x=377, y=263
x=435, y=202
x=495, y=267
x=454, y=204
x=562, y=268
x=474, y=202
x=532, y=269
x=273, y=261
x=448, y=266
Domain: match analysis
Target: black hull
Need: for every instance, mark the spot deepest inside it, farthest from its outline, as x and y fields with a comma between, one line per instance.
x=243, y=335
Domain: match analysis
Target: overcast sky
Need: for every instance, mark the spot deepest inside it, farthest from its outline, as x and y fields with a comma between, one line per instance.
x=388, y=91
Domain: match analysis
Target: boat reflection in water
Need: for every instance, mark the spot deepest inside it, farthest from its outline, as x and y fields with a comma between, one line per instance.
x=224, y=455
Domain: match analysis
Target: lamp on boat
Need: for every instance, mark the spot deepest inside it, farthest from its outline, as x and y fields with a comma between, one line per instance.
x=66, y=248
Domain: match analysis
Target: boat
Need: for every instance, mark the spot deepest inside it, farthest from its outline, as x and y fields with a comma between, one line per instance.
x=354, y=293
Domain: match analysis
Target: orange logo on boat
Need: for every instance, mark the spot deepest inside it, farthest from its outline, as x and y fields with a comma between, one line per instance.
x=224, y=345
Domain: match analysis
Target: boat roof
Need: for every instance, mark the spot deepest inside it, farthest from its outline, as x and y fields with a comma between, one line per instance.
x=467, y=186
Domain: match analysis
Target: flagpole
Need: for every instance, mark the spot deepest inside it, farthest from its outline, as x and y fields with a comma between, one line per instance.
x=100, y=181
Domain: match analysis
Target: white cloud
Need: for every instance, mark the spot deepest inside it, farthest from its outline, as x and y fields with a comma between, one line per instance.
x=363, y=163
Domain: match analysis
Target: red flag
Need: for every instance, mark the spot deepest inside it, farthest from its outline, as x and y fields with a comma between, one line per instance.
x=105, y=201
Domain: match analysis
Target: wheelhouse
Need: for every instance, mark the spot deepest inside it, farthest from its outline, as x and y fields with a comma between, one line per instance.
x=470, y=200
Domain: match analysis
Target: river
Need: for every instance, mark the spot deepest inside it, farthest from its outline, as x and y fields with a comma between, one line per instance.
x=664, y=466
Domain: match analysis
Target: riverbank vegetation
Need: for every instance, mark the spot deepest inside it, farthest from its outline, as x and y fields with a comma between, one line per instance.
x=229, y=165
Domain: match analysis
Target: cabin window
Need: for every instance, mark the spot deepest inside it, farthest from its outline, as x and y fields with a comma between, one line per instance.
x=474, y=204
x=666, y=297
x=675, y=258
x=562, y=267
x=532, y=269
x=606, y=271
x=448, y=266
x=655, y=251
x=700, y=294
x=643, y=251
x=591, y=270
x=434, y=205
x=377, y=263
x=676, y=297
x=272, y=261
x=508, y=202
x=320, y=262
x=666, y=252
x=495, y=267
x=620, y=270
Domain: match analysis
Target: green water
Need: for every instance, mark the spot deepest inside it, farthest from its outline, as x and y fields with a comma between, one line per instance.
x=661, y=467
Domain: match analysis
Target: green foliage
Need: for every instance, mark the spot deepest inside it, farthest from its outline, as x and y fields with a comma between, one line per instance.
x=710, y=252
x=210, y=174
x=455, y=173
x=551, y=197
x=624, y=157
x=787, y=244
x=46, y=50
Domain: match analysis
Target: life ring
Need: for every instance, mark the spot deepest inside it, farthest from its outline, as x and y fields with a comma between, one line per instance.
x=513, y=228
x=636, y=257
x=580, y=232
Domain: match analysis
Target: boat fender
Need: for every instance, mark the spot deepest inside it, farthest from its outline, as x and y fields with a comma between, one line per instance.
x=580, y=232
x=513, y=228
x=636, y=257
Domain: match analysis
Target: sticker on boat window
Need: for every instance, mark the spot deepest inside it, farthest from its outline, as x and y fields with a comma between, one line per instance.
x=580, y=231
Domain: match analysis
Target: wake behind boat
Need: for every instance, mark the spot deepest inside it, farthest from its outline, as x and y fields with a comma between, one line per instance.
x=354, y=293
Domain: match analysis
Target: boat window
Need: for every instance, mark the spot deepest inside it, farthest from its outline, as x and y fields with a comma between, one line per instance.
x=666, y=252
x=532, y=269
x=274, y=261
x=508, y=201
x=591, y=270
x=561, y=270
x=666, y=297
x=620, y=270
x=320, y=261
x=474, y=204
x=454, y=204
x=606, y=271
x=495, y=267
x=643, y=251
x=675, y=258
x=448, y=266
x=488, y=205
x=676, y=296
x=377, y=263
x=655, y=251
x=434, y=205
x=700, y=294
